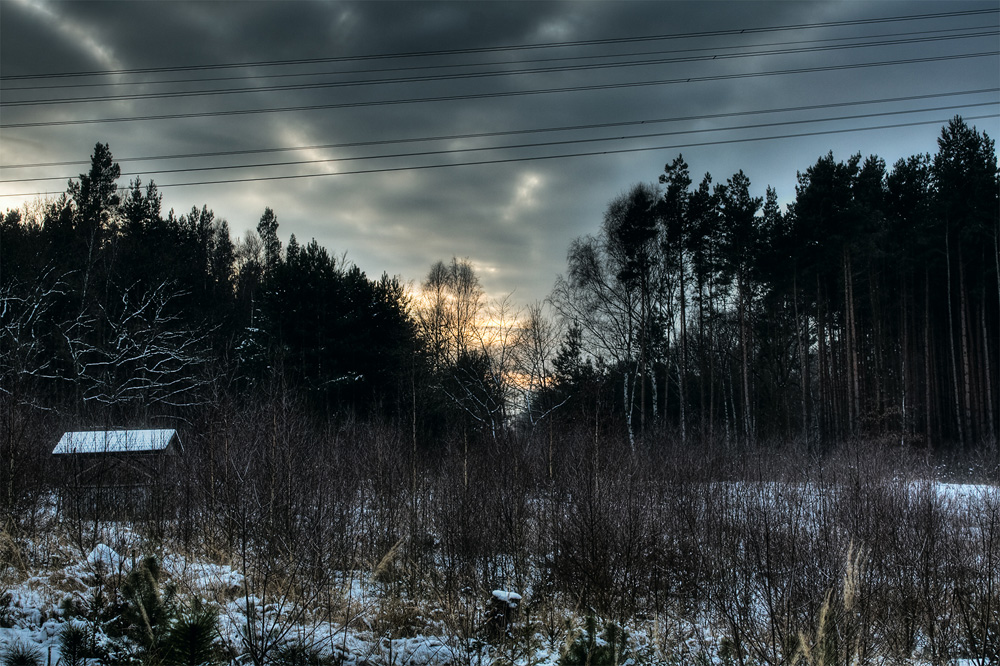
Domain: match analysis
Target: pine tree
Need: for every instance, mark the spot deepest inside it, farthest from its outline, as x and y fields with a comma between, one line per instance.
x=190, y=641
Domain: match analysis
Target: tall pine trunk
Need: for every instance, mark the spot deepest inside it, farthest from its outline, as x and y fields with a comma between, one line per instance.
x=682, y=396
x=996, y=257
x=963, y=316
x=987, y=372
x=928, y=424
x=701, y=359
x=642, y=360
x=824, y=393
x=746, y=424
x=904, y=353
x=854, y=410
x=803, y=365
x=951, y=338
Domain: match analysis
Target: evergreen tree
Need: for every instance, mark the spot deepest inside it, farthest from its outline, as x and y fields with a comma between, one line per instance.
x=740, y=249
x=966, y=202
x=267, y=229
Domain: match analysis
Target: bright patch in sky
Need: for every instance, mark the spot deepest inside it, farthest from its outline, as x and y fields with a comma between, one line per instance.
x=524, y=197
x=79, y=35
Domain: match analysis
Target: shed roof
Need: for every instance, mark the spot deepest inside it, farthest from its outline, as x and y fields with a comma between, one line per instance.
x=115, y=441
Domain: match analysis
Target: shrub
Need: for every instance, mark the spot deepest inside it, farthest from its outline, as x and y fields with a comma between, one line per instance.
x=589, y=649
x=73, y=644
x=21, y=654
x=297, y=654
x=190, y=641
x=147, y=614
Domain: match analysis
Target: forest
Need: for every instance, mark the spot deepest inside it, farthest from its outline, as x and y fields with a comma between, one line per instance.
x=868, y=308
x=715, y=440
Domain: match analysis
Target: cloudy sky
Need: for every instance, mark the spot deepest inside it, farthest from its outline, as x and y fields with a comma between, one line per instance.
x=404, y=133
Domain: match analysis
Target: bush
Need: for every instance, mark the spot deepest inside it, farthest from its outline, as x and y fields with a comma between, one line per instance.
x=147, y=614
x=73, y=644
x=190, y=641
x=21, y=654
x=589, y=649
x=297, y=654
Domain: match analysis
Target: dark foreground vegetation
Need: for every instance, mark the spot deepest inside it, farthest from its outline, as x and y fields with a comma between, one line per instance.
x=752, y=556
x=725, y=445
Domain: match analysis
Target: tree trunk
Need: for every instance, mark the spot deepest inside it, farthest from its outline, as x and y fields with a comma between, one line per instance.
x=963, y=315
x=744, y=372
x=629, y=404
x=413, y=423
x=904, y=353
x=927, y=358
x=701, y=359
x=803, y=365
x=642, y=358
x=987, y=372
x=824, y=395
x=551, y=471
x=853, y=391
x=683, y=360
x=711, y=375
x=996, y=256
x=666, y=362
x=951, y=338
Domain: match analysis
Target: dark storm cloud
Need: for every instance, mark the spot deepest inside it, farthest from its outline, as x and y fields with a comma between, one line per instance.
x=514, y=220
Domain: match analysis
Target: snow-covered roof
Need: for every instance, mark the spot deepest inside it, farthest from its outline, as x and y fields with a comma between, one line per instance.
x=115, y=441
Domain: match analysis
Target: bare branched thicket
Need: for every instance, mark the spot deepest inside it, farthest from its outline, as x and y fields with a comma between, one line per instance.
x=854, y=557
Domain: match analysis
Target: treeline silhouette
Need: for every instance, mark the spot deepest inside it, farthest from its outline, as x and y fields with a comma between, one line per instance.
x=115, y=311
x=869, y=308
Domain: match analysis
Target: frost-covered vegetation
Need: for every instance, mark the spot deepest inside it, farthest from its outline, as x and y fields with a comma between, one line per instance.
x=341, y=546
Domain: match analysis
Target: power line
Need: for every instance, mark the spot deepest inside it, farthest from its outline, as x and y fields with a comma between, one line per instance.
x=494, y=95
x=287, y=75
x=537, y=158
x=425, y=78
x=500, y=133
x=542, y=144
x=517, y=47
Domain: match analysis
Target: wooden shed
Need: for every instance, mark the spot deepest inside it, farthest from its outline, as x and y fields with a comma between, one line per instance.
x=117, y=473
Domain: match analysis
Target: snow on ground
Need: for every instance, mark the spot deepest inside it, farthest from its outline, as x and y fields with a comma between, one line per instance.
x=104, y=556
x=964, y=492
x=33, y=609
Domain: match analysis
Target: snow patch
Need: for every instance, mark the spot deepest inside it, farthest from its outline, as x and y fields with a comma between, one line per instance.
x=105, y=556
x=512, y=599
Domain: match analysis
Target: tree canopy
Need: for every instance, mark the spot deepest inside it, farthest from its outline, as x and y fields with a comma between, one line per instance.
x=868, y=308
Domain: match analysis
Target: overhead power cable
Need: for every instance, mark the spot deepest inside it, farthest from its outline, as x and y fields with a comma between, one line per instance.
x=536, y=158
x=541, y=144
x=516, y=47
x=940, y=32
x=494, y=95
x=427, y=78
x=537, y=130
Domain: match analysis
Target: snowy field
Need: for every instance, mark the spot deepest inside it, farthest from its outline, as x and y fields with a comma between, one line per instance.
x=49, y=584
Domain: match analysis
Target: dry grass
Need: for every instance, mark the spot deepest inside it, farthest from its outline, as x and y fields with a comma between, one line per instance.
x=766, y=555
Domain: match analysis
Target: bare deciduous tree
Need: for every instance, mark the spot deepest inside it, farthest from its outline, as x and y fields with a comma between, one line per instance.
x=143, y=353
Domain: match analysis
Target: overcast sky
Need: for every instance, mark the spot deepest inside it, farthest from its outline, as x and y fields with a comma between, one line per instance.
x=705, y=66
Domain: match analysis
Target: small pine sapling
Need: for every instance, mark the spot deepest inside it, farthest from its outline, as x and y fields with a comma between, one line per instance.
x=147, y=614
x=610, y=648
x=73, y=642
x=297, y=654
x=190, y=641
x=21, y=653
